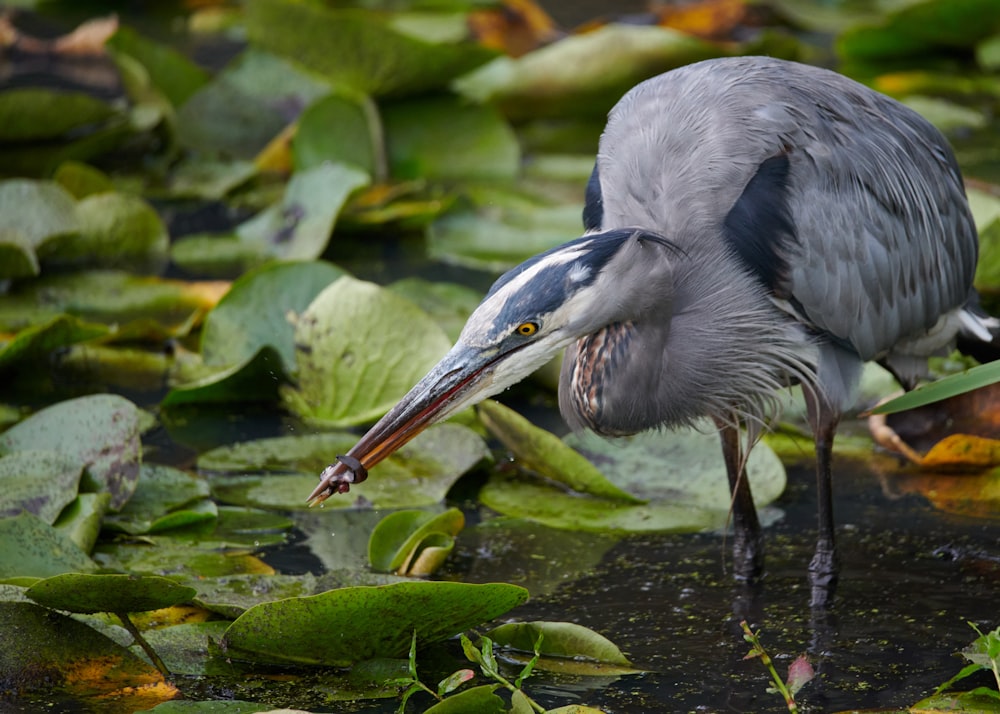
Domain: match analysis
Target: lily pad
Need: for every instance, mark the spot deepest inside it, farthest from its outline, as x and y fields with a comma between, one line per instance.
x=102, y=431
x=186, y=649
x=414, y=542
x=481, y=699
x=32, y=212
x=32, y=113
x=359, y=349
x=299, y=227
x=445, y=138
x=88, y=592
x=544, y=453
x=116, y=230
x=232, y=595
x=40, y=482
x=256, y=311
x=82, y=519
x=366, y=622
x=33, y=548
x=450, y=304
x=164, y=498
x=32, y=345
x=256, y=379
x=170, y=71
x=356, y=140
x=681, y=475
x=559, y=639
x=582, y=75
x=81, y=179
x=358, y=49
x=418, y=474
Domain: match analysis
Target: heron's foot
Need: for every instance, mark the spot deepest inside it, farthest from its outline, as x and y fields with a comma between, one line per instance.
x=748, y=556
x=824, y=571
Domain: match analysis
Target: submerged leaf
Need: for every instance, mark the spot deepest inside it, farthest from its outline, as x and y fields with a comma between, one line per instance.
x=558, y=639
x=359, y=349
x=369, y=622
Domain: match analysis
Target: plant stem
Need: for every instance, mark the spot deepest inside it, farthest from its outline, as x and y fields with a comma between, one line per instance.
x=141, y=641
x=757, y=650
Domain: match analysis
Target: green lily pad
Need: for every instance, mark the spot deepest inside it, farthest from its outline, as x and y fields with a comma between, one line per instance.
x=357, y=140
x=40, y=482
x=116, y=230
x=446, y=138
x=33, y=548
x=559, y=639
x=450, y=304
x=582, y=75
x=208, y=179
x=920, y=28
x=680, y=473
x=164, y=498
x=32, y=113
x=31, y=212
x=246, y=105
x=82, y=519
x=418, y=474
x=547, y=455
x=170, y=71
x=358, y=49
x=102, y=431
x=299, y=227
x=255, y=311
x=186, y=650
x=359, y=349
x=481, y=699
x=81, y=179
x=399, y=541
x=256, y=379
x=88, y=592
x=215, y=706
x=32, y=345
x=498, y=237
x=217, y=255
x=232, y=595
x=350, y=625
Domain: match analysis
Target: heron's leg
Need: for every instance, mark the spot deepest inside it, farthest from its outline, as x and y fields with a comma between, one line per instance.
x=748, y=543
x=823, y=569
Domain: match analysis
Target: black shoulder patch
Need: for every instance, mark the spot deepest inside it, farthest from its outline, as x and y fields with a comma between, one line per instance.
x=593, y=209
x=759, y=226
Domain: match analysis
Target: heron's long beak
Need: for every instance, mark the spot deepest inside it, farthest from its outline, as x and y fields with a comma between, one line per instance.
x=463, y=377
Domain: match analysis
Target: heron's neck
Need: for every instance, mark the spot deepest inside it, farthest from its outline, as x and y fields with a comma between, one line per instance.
x=719, y=349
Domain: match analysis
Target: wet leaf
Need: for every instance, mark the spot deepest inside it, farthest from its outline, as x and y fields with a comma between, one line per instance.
x=46, y=652
x=400, y=540
x=185, y=649
x=32, y=113
x=216, y=706
x=921, y=28
x=88, y=593
x=680, y=473
x=498, y=237
x=116, y=230
x=357, y=140
x=559, y=639
x=252, y=100
x=175, y=555
x=358, y=49
x=479, y=699
x=81, y=520
x=359, y=348
x=419, y=474
x=102, y=431
x=208, y=179
x=370, y=622
x=39, y=482
x=254, y=380
x=164, y=498
x=31, y=213
x=172, y=73
x=299, y=227
x=232, y=595
x=450, y=304
x=445, y=138
x=962, y=451
x=581, y=75
x=257, y=310
x=544, y=453
x=33, y=548
x=32, y=346
x=82, y=180
x=218, y=255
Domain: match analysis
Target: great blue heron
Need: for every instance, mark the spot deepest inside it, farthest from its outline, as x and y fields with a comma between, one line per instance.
x=750, y=223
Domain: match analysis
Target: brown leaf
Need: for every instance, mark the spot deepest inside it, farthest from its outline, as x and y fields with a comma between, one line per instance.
x=515, y=28
x=962, y=452
x=87, y=40
x=708, y=19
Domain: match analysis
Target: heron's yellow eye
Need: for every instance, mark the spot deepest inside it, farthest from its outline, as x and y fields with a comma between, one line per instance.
x=527, y=329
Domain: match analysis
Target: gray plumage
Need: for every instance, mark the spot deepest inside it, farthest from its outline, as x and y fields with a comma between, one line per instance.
x=750, y=223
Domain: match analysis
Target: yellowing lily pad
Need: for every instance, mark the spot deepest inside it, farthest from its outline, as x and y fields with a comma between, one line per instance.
x=341, y=627
x=680, y=474
x=359, y=348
